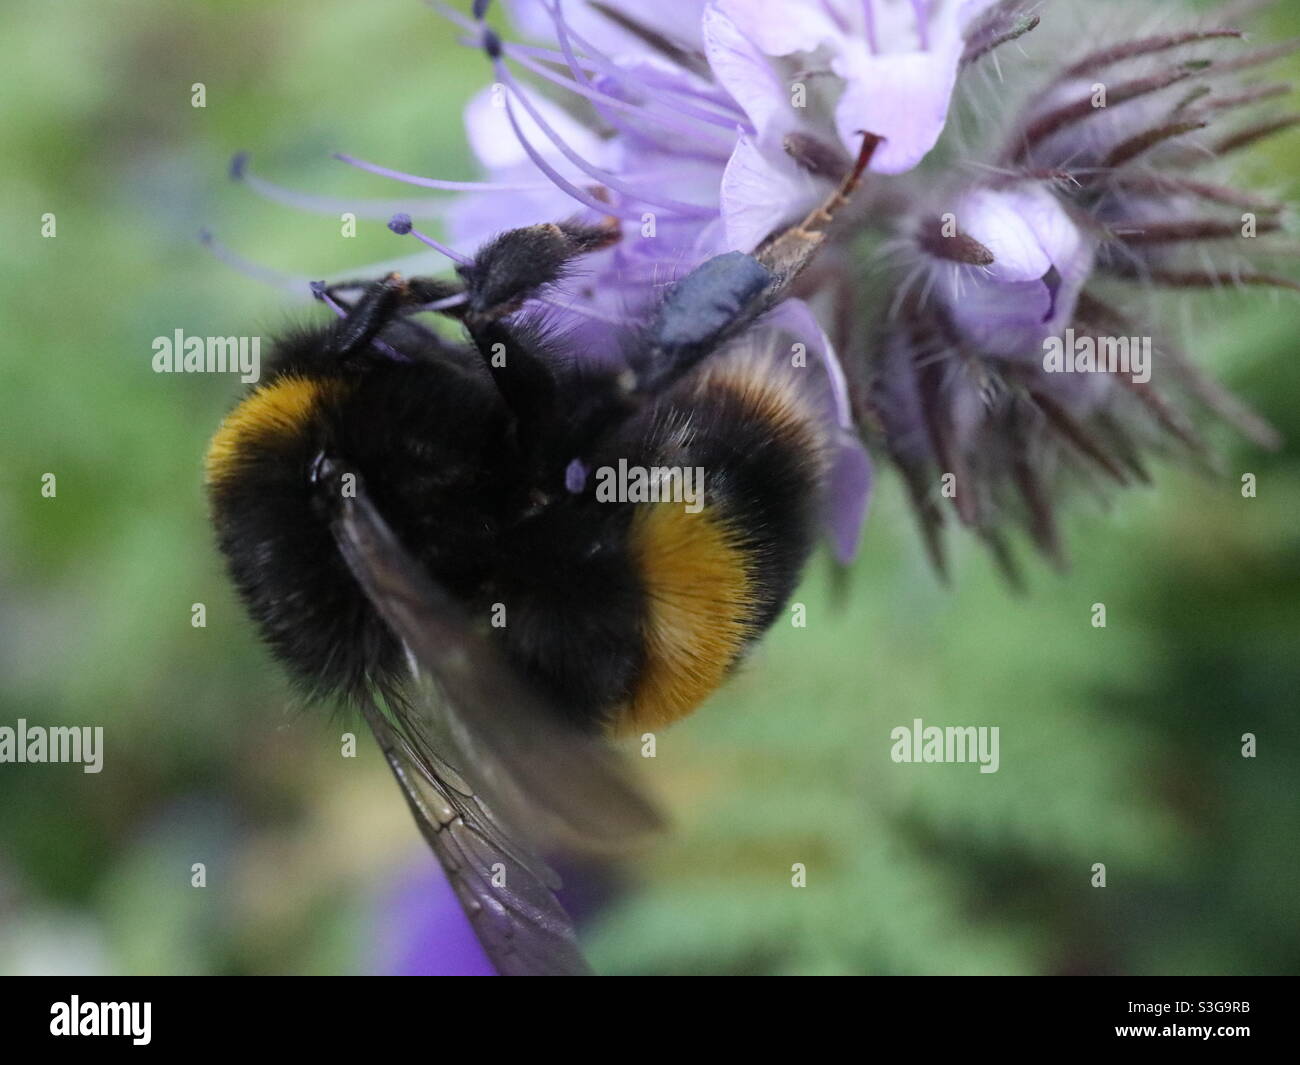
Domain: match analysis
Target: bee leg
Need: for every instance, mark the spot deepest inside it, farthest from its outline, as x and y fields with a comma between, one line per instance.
x=706, y=307
x=504, y=274
x=722, y=295
x=414, y=292
x=335, y=287
x=511, y=268
x=787, y=253
x=431, y=293
x=366, y=317
x=380, y=304
x=521, y=368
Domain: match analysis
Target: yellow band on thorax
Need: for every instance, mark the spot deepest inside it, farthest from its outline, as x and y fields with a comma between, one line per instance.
x=278, y=409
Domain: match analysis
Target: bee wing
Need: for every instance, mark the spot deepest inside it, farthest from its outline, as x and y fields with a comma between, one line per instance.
x=507, y=896
x=559, y=785
x=527, y=780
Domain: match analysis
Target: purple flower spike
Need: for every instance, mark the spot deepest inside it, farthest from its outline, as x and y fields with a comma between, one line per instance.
x=1006, y=370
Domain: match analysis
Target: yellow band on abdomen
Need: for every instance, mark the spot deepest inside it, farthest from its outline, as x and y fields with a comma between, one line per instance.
x=698, y=609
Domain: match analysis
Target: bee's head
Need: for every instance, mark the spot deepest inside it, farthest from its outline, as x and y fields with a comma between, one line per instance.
x=432, y=443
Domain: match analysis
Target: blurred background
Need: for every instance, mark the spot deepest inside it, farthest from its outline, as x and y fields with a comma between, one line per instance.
x=1119, y=745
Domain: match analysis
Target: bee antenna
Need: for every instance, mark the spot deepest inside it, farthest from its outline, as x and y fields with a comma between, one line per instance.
x=238, y=166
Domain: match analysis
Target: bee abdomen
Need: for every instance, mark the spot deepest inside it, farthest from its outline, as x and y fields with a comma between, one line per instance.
x=716, y=575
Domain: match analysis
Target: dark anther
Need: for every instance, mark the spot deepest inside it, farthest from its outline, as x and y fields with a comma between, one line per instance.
x=818, y=157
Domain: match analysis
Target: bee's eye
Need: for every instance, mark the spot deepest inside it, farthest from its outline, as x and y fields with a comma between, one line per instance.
x=323, y=470
x=315, y=470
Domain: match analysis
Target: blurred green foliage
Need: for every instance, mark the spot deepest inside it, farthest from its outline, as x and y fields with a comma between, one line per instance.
x=1119, y=745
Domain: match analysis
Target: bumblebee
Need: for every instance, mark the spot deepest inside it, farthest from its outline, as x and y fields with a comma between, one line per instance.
x=414, y=526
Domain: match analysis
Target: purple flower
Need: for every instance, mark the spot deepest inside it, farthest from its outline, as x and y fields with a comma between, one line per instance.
x=422, y=930
x=664, y=173
x=1087, y=185
x=708, y=126
x=843, y=66
x=762, y=103
x=1039, y=262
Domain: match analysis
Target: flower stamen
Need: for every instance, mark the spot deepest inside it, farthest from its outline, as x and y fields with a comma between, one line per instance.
x=687, y=210
x=620, y=74
x=401, y=225
x=362, y=208
x=437, y=183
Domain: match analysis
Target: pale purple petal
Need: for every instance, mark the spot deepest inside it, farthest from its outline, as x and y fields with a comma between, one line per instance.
x=480, y=216
x=761, y=192
x=903, y=98
x=902, y=92
x=495, y=145
x=747, y=74
x=998, y=317
x=1053, y=228
x=848, y=497
x=849, y=477
x=1000, y=221
x=782, y=27
x=1031, y=290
